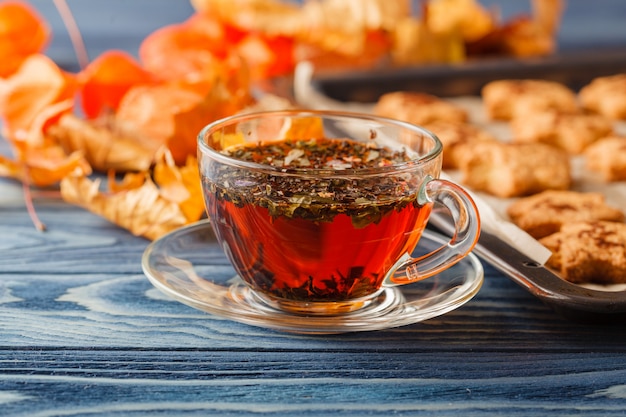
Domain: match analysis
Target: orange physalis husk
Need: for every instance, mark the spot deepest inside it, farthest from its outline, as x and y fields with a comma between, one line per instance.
x=186, y=51
x=219, y=103
x=105, y=145
x=22, y=33
x=37, y=84
x=154, y=111
x=36, y=134
x=43, y=166
x=261, y=32
x=304, y=128
x=273, y=17
x=10, y=168
x=267, y=56
x=174, y=116
x=105, y=80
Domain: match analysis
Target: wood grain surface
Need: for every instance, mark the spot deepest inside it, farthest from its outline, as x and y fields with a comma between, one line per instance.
x=84, y=333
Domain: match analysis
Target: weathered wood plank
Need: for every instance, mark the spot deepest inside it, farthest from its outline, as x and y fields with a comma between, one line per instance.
x=245, y=382
x=83, y=332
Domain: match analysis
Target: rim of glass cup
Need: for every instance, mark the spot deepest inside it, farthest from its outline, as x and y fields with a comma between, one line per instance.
x=397, y=167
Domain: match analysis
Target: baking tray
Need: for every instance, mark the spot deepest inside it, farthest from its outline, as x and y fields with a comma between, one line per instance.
x=574, y=69
x=573, y=302
x=588, y=304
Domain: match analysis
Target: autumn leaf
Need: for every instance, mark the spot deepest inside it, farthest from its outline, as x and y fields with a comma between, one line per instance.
x=144, y=207
x=106, y=145
x=181, y=185
x=38, y=84
x=105, y=80
x=141, y=210
x=22, y=33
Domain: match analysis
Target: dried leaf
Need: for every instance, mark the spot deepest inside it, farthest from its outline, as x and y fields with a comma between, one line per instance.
x=181, y=185
x=141, y=210
x=105, y=145
x=105, y=80
x=22, y=33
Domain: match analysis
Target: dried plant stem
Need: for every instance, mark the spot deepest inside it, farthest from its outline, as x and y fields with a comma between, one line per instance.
x=74, y=32
x=30, y=207
x=51, y=194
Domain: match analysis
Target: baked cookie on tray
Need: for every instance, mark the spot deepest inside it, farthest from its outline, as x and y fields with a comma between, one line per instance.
x=606, y=96
x=545, y=213
x=607, y=157
x=457, y=138
x=419, y=108
x=589, y=252
x=507, y=169
x=572, y=132
x=506, y=99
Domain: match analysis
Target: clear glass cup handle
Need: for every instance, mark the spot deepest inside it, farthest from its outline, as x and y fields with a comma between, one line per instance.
x=466, y=221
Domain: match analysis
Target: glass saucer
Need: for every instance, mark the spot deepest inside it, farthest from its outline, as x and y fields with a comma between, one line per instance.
x=189, y=265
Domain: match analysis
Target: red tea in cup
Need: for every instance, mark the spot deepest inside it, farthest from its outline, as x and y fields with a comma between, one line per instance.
x=310, y=239
x=318, y=211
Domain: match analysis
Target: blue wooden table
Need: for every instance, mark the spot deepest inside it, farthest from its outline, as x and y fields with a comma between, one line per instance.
x=84, y=333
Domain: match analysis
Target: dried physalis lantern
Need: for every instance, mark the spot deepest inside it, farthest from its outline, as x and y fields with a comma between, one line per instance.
x=22, y=33
x=38, y=84
x=106, y=80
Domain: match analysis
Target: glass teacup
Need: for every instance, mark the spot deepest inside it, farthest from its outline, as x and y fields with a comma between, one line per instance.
x=318, y=211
